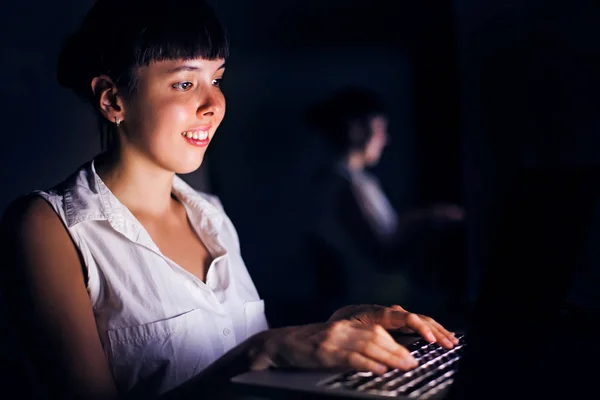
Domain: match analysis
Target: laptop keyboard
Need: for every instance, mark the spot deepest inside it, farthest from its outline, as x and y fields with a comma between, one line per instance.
x=434, y=373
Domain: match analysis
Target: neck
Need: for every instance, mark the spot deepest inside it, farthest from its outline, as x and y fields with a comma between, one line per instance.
x=355, y=161
x=142, y=186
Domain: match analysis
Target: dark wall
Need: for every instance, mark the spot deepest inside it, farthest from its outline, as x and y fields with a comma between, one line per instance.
x=529, y=84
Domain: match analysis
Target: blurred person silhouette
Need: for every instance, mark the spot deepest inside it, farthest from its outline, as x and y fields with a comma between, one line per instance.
x=364, y=247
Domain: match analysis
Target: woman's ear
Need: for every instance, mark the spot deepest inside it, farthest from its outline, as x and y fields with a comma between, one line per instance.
x=108, y=98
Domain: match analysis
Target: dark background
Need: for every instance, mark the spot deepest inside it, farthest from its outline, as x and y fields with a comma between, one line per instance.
x=476, y=88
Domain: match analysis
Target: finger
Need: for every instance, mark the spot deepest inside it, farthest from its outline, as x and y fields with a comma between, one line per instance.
x=360, y=362
x=414, y=322
x=384, y=356
x=376, y=343
x=330, y=356
x=441, y=338
x=344, y=338
x=358, y=332
x=430, y=332
x=449, y=335
x=441, y=334
x=379, y=336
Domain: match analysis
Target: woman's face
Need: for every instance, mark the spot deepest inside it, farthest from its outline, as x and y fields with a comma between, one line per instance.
x=377, y=141
x=175, y=112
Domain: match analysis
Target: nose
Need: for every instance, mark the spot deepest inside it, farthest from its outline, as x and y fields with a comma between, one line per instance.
x=209, y=104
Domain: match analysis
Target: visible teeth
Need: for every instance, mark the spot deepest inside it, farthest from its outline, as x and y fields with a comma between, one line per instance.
x=202, y=135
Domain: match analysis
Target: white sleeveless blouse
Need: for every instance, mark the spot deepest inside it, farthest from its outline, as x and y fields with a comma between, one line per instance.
x=159, y=324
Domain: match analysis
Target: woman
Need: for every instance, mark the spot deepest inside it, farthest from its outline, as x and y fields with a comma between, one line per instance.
x=361, y=243
x=123, y=280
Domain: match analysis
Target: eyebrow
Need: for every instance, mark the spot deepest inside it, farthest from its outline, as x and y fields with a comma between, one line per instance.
x=189, y=67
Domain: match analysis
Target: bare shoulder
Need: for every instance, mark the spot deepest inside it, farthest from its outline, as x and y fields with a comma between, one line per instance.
x=33, y=236
x=29, y=214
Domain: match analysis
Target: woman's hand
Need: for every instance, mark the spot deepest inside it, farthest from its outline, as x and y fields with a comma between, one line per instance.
x=397, y=318
x=343, y=343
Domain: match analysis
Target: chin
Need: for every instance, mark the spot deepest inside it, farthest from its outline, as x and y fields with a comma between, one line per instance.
x=187, y=166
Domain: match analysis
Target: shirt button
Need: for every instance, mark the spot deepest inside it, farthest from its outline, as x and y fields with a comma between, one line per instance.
x=226, y=331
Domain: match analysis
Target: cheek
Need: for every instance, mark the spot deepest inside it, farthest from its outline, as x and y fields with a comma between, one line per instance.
x=379, y=141
x=374, y=148
x=168, y=117
x=372, y=152
x=161, y=117
x=180, y=114
x=221, y=108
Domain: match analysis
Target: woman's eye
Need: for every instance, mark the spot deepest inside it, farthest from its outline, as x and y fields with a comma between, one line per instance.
x=183, y=86
x=217, y=82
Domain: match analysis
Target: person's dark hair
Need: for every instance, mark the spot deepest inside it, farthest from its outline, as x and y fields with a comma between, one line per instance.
x=334, y=117
x=117, y=37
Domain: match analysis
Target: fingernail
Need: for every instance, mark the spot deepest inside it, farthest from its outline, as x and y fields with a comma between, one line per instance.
x=447, y=342
x=430, y=337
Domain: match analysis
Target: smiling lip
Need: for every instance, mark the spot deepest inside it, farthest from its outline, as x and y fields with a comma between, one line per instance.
x=197, y=136
x=197, y=142
x=202, y=128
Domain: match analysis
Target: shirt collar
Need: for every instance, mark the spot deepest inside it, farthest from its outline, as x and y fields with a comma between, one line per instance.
x=88, y=198
x=204, y=214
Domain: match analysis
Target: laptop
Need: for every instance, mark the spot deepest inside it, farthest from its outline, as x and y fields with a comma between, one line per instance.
x=524, y=340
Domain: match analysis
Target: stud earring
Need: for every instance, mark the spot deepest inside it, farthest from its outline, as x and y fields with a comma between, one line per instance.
x=117, y=121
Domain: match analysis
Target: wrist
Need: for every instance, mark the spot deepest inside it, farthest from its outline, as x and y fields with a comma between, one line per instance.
x=259, y=357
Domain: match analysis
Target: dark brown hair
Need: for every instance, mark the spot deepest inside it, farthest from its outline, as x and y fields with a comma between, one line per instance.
x=117, y=37
x=334, y=117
